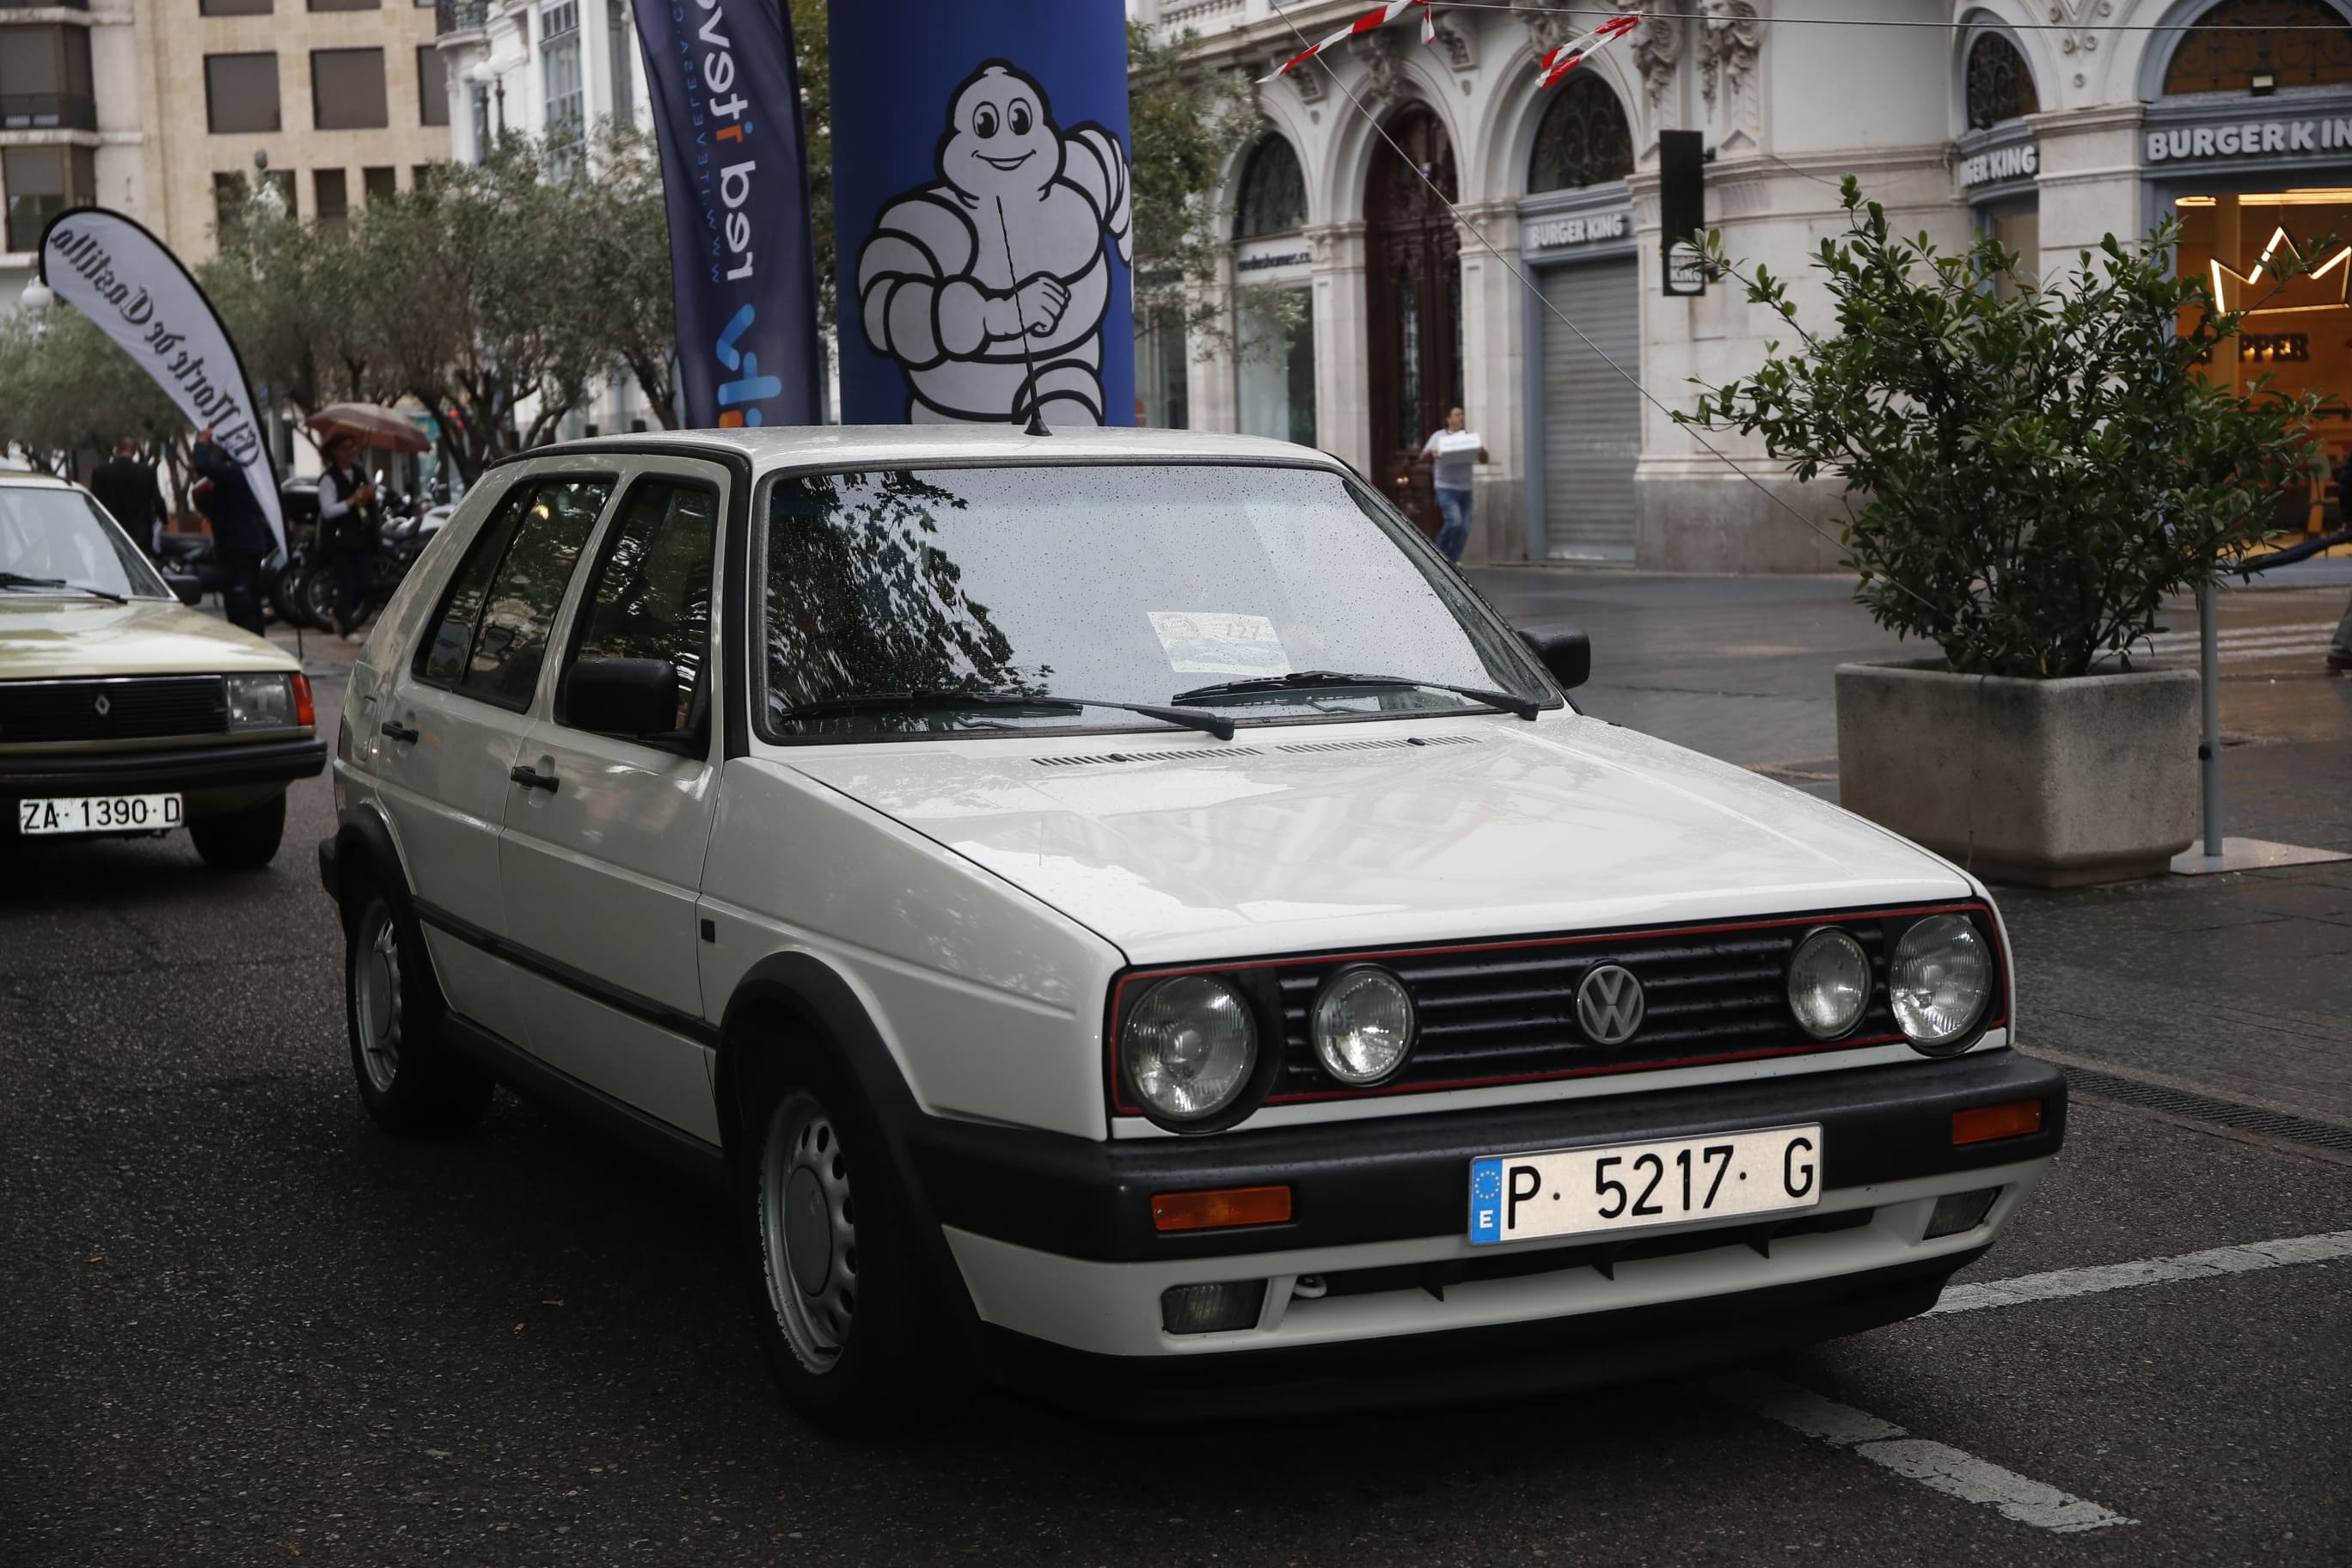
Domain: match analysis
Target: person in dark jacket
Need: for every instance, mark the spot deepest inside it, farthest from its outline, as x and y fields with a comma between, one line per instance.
x=347, y=524
x=241, y=536
x=125, y=487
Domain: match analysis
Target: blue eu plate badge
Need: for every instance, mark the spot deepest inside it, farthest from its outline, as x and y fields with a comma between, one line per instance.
x=1485, y=1200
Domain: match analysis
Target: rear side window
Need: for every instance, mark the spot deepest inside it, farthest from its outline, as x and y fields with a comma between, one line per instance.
x=650, y=597
x=490, y=638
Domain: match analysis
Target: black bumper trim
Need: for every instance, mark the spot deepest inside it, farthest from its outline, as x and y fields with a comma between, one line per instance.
x=1465, y=1365
x=1397, y=1178
x=186, y=768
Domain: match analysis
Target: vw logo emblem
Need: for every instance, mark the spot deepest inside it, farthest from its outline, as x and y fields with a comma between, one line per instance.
x=1609, y=1005
x=103, y=705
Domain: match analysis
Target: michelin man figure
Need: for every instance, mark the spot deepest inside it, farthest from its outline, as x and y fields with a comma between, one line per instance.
x=1002, y=264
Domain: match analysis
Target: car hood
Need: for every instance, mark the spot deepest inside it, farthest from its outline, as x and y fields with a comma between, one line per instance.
x=1307, y=839
x=46, y=639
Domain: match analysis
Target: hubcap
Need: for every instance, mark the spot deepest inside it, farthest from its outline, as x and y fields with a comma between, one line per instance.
x=376, y=997
x=808, y=1232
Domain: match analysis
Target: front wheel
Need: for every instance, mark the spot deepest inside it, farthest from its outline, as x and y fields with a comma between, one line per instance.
x=241, y=840
x=837, y=1282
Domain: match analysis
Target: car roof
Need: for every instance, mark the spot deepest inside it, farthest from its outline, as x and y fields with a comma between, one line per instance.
x=896, y=446
x=26, y=477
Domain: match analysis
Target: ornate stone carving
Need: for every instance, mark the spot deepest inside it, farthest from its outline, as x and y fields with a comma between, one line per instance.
x=1551, y=23
x=2082, y=20
x=1727, y=49
x=1461, y=48
x=1655, y=48
x=1386, y=77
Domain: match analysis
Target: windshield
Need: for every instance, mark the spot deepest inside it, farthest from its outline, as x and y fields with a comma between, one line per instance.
x=1108, y=582
x=59, y=535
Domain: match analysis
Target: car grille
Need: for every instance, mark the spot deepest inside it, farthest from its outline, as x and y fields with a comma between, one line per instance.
x=1505, y=1012
x=136, y=708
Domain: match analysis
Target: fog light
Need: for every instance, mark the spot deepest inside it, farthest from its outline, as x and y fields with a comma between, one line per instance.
x=1957, y=1212
x=1211, y=1309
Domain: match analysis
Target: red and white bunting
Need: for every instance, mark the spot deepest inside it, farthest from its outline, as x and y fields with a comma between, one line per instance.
x=1364, y=23
x=1576, y=51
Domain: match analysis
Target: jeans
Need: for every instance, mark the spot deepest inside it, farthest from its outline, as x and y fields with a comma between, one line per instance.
x=241, y=588
x=1455, y=506
x=354, y=578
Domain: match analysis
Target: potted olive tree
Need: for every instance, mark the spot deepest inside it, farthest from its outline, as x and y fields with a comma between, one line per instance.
x=2030, y=471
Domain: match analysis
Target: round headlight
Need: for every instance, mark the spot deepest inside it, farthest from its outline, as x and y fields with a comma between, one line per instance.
x=1188, y=1045
x=1940, y=979
x=1363, y=1024
x=1829, y=984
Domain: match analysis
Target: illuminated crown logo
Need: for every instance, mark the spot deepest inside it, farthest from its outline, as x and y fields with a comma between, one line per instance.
x=2259, y=293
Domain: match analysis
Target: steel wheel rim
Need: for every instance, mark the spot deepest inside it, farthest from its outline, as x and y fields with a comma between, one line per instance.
x=808, y=1232
x=376, y=999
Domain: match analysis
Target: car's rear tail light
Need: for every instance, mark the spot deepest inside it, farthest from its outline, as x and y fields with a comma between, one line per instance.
x=1982, y=1123
x=304, y=714
x=1957, y=1212
x=1224, y=1206
x=1211, y=1309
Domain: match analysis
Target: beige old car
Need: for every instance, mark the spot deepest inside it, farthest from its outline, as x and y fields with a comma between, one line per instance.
x=124, y=713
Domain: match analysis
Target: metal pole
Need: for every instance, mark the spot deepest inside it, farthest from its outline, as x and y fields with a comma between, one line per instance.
x=2208, y=664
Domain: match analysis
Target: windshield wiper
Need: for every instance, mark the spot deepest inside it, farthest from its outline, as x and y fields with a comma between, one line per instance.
x=1189, y=718
x=1297, y=680
x=18, y=580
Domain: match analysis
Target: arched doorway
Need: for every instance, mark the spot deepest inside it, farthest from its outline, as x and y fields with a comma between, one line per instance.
x=1413, y=283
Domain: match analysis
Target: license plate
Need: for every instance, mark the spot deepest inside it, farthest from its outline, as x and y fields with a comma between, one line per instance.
x=1632, y=1186
x=98, y=814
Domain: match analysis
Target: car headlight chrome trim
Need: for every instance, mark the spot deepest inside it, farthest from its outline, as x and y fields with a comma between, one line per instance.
x=1362, y=1024
x=1830, y=982
x=1187, y=1047
x=261, y=702
x=1940, y=979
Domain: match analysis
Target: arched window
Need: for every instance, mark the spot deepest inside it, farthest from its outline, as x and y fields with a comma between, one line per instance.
x=1274, y=190
x=1584, y=139
x=2000, y=85
x=2239, y=41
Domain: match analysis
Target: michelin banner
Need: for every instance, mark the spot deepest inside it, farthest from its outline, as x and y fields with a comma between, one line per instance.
x=982, y=212
x=121, y=276
x=727, y=112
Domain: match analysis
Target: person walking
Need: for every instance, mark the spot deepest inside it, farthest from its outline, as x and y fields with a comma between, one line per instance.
x=241, y=536
x=347, y=529
x=125, y=487
x=1453, y=450
x=2339, y=647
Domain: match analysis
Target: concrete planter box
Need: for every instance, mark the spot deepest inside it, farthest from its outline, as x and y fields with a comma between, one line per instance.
x=2053, y=783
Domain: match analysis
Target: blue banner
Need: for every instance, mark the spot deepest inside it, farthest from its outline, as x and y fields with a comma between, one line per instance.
x=982, y=212
x=727, y=111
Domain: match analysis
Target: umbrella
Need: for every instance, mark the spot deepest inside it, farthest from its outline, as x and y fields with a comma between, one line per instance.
x=371, y=424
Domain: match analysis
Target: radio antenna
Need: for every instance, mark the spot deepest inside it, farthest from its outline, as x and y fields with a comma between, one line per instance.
x=1036, y=420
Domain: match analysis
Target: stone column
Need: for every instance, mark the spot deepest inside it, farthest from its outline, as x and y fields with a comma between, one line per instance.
x=1342, y=402
x=2090, y=179
x=1210, y=390
x=1492, y=378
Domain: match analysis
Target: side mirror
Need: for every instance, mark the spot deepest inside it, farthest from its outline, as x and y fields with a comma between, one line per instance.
x=632, y=697
x=187, y=586
x=1565, y=651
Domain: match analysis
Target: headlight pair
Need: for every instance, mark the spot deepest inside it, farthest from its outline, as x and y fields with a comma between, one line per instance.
x=1190, y=1044
x=1938, y=982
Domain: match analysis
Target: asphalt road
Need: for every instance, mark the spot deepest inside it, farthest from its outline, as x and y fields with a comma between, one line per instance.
x=239, y=1325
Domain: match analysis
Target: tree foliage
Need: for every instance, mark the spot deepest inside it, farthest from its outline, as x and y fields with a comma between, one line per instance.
x=2031, y=470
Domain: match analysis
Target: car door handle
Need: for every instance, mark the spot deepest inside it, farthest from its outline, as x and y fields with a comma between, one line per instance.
x=399, y=732
x=531, y=778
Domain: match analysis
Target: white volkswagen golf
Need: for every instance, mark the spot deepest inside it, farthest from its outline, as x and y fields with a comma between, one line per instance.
x=1119, y=916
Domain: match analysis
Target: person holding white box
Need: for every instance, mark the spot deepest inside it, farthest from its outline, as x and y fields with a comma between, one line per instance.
x=1453, y=450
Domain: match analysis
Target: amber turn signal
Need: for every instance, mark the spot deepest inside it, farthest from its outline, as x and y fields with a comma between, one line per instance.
x=1224, y=1206
x=1986, y=1122
x=304, y=714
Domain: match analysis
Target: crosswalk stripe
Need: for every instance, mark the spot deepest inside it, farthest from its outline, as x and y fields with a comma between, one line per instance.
x=2060, y=1283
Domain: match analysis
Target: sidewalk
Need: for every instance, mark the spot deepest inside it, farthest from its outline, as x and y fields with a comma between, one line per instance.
x=2238, y=986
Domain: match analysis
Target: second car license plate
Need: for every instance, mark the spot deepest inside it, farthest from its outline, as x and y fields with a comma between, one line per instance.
x=98, y=814
x=1632, y=1186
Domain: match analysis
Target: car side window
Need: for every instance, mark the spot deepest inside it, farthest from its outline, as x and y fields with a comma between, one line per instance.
x=650, y=596
x=442, y=659
x=519, y=607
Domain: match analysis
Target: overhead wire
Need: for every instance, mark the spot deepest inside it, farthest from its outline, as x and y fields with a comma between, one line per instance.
x=1533, y=10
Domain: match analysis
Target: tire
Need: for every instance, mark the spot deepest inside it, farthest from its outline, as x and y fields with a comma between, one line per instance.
x=314, y=597
x=284, y=586
x=844, y=1307
x=411, y=1082
x=241, y=840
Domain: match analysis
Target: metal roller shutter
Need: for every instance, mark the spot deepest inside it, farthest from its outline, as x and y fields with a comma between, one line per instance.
x=1591, y=415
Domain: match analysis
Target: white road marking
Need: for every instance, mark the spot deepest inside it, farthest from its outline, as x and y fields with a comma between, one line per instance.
x=1939, y=1466
x=2062, y=1282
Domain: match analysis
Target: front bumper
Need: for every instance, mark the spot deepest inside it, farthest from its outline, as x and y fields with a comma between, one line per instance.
x=1054, y=1241
x=188, y=770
